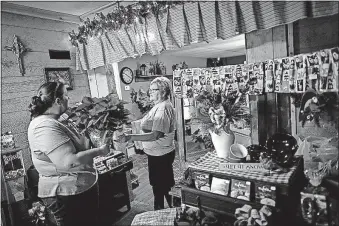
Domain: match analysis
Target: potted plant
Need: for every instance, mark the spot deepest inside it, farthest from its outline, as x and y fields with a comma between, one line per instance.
x=98, y=118
x=222, y=109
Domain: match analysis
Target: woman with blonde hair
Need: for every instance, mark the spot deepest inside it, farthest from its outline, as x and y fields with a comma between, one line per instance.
x=157, y=137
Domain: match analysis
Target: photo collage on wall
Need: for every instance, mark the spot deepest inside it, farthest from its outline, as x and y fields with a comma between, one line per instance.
x=297, y=74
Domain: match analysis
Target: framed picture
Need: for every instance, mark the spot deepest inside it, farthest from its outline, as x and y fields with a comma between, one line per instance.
x=62, y=75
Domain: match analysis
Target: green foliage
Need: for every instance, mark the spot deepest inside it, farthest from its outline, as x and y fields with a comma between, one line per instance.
x=106, y=113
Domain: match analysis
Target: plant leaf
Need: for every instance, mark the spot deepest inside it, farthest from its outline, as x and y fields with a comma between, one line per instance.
x=82, y=106
x=87, y=100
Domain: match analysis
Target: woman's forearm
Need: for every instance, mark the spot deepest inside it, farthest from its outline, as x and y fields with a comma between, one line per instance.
x=143, y=137
x=151, y=136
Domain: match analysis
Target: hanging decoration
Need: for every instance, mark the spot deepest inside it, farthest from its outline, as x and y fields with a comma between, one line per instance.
x=18, y=49
x=317, y=72
x=150, y=27
x=122, y=16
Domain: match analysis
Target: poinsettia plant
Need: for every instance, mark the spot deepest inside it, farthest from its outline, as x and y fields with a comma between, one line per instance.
x=106, y=113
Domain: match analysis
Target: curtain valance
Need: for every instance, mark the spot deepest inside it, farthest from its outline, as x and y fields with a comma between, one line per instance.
x=193, y=22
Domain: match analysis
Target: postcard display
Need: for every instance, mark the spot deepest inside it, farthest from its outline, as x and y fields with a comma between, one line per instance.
x=296, y=74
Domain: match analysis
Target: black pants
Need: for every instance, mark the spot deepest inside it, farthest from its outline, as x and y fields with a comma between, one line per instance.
x=161, y=177
x=73, y=210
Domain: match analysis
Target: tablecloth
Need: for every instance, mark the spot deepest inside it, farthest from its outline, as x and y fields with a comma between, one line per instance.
x=158, y=217
x=210, y=163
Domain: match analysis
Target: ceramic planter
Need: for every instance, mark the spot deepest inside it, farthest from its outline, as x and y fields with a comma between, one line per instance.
x=222, y=142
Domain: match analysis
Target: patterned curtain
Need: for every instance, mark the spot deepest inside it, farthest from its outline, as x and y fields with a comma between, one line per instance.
x=194, y=22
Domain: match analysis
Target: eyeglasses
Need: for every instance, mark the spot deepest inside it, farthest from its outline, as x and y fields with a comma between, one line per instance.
x=153, y=90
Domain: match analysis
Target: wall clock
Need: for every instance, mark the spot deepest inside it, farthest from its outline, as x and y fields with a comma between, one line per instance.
x=126, y=75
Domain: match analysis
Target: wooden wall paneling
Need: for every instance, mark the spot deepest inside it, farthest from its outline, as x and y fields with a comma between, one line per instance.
x=266, y=113
x=35, y=22
x=28, y=37
x=17, y=122
x=282, y=103
x=271, y=114
x=290, y=50
x=284, y=113
x=180, y=131
x=39, y=35
x=314, y=34
x=258, y=48
x=34, y=63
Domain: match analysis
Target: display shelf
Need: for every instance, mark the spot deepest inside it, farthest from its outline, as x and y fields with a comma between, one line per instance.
x=214, y=202
x=150, y=77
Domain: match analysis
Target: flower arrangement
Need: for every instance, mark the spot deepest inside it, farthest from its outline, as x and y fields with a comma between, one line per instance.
x=223, y=109
x=38, y=214
x=141, y=98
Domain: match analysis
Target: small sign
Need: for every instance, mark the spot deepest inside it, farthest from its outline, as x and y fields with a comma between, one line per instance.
x=242, y=167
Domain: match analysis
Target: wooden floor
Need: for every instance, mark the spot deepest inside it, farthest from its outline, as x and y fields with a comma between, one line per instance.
x=143, y=194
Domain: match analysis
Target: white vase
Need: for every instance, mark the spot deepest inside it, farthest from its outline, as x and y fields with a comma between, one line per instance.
x=222, y=142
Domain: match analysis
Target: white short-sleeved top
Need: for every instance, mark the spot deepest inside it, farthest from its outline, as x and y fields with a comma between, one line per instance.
x=46, y=135
x=160, y=118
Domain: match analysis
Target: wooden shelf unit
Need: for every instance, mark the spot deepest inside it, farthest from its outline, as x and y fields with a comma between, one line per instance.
x=150, y=77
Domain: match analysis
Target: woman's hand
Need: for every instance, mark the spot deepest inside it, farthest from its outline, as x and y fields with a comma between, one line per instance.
x=104, y=149
x=127, y=137
x=123, y=138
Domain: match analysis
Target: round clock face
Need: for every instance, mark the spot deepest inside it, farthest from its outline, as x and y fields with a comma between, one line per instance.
x=126, y=75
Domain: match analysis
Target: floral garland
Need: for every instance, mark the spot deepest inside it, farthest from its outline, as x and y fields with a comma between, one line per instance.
x=121, y=16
